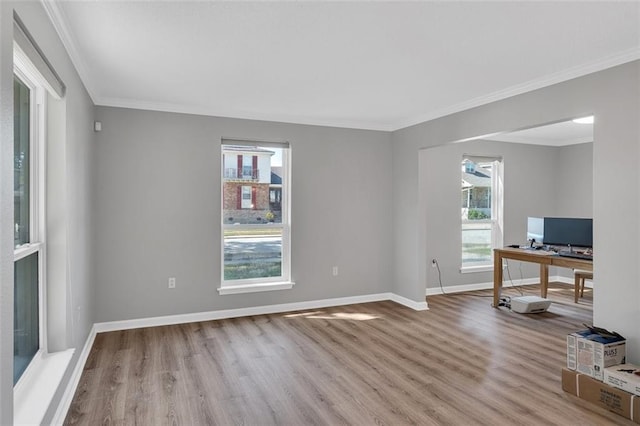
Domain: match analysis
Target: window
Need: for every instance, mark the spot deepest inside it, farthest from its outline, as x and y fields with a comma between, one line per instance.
x=481, y=203
x=37, y=373
x=255, y=216
x=28, y=255
x=247, y=199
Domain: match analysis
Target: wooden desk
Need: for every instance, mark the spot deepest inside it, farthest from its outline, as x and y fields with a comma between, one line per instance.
x=544, y=258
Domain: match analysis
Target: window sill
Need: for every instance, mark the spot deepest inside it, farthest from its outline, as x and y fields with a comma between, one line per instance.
x=255, y=288
x=474, y=269
x=35, y=389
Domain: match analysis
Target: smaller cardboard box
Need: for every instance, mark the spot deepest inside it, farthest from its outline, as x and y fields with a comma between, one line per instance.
x=623, y=376
x=572, y=348
x=636, y=409
x=597, y=352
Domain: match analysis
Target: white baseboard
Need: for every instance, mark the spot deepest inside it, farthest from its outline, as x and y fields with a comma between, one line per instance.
x=74, y=380
x=236, y=313
x=431, y=291
x=416, y=306
x=256, y=310
x=567, y=280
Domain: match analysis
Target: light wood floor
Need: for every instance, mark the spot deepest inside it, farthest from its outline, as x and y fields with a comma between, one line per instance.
x=459, y=363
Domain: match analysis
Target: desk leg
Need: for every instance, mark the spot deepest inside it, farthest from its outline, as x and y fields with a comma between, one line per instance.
x=497, y=278
x=544, y=280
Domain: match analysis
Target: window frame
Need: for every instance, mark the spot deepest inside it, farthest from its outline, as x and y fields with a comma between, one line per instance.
x=283, y=281
x=26, y=72
x=497, y=211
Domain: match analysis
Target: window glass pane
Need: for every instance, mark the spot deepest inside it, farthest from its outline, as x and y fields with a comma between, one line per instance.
x=476, y=190
x=21, y=163
x=479, y=227
x=255, y=233
x=476, y=243
x=252, y=252
x=26, y=337
x=252, y=189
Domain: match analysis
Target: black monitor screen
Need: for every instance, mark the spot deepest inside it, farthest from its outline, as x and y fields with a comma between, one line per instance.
x=563, y=231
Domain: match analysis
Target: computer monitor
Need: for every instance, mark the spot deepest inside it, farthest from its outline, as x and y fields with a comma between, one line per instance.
x=535, y=230
x=568, y=231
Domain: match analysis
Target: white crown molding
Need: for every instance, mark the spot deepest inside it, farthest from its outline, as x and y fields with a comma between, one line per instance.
x=59, y=21
x=559, y=77
x=194, y=110
x=565, y=75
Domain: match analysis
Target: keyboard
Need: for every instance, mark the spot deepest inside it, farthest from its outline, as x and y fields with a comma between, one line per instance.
x=575, y=255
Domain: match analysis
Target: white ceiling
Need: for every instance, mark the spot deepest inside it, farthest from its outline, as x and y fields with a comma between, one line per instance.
x=557, y=134
x=370, y=65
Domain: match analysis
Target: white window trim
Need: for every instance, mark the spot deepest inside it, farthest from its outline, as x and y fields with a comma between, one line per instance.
x=37, y=215
x=37, y=385
x=475, y=269
x=256, y=288
x=283, y=281
x=34, y=391
x=497, y=205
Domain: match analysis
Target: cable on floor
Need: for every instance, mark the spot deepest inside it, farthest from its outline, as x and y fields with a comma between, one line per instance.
x=435, y=262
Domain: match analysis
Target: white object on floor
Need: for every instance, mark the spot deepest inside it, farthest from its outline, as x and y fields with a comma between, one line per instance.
x=529, y=304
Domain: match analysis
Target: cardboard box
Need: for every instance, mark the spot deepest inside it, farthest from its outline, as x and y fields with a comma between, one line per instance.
x=623, y=376
x=601, y=394
x=596, y=352
x=570, y=381
x=572, y=348
x=605, y=396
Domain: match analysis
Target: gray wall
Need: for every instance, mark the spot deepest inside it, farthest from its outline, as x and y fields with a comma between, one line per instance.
x=574, y=180
x=6, y=214
x=574, y=187
x=157, y=204
x=70, y=289
x=613, y=96
x=534, y=185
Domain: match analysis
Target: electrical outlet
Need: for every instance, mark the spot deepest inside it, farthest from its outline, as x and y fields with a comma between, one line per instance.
x=335, y=271
x=172, y=282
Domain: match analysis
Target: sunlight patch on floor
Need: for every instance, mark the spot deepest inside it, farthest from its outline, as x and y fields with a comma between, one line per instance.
x=357, y=316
